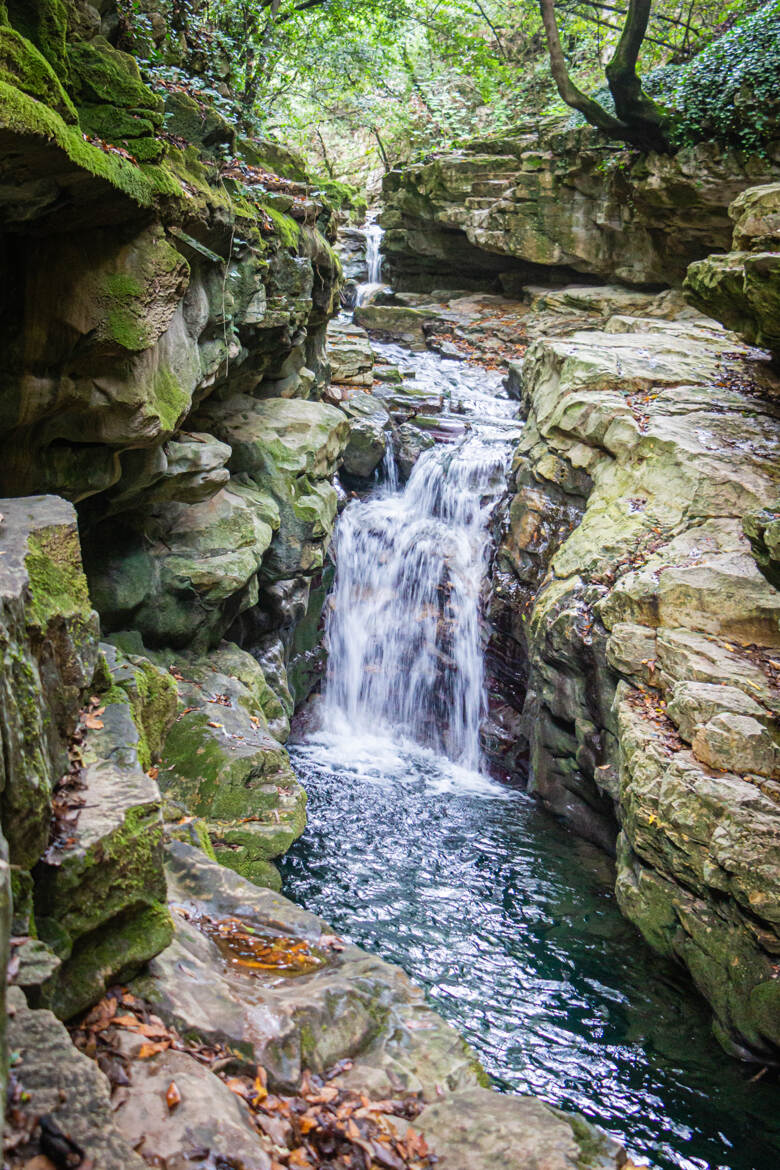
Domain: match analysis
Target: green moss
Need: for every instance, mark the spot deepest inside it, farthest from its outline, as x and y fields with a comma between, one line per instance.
x=154, y=709
x=102, y=74
x=45, y=23
x=22, y=114
x=112, y=953
x=287, y=229
x=58, y=587
x=23, y=66
x=169, y=398
x=112, y=124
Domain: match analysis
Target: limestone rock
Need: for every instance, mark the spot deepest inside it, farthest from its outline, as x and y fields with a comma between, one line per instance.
x=629, y=601
x=221, y=763
x=182, y=572
x=64, y=1083
x=341, y=1003
x=737, y=743
x=350, y=354
x=479, y=1128
x=742, y=287
x=209, y=1117
x=695, y=703
x=289, y=448
x=369, y=426
x=48, y=654
x=100, y=895
x=397, y=323
x=534, y=200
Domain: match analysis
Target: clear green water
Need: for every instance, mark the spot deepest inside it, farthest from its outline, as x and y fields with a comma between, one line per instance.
x=509, y=923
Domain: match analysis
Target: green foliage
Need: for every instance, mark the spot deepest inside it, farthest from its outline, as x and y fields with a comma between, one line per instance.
x=730, y=91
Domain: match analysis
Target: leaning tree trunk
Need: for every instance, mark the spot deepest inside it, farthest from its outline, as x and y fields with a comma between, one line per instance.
x=637, y=118
x=632, y=105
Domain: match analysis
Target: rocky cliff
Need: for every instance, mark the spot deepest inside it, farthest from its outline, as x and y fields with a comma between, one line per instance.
x=550, y=203
x=635, y=621
x=169, y=469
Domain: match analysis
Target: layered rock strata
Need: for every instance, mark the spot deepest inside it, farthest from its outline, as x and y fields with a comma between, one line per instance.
x=534, y=204
x=640, y=633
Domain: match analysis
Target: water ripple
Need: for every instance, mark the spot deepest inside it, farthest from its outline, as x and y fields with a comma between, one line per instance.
x=510, y=924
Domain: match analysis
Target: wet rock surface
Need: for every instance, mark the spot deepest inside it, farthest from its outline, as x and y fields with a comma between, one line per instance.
x=506, y=209
x=647, y=635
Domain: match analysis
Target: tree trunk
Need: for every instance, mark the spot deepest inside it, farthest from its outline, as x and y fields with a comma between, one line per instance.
x=637, y=119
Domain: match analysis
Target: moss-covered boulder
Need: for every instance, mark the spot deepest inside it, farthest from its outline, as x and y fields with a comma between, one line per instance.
x=220, y=763
x=48, y=652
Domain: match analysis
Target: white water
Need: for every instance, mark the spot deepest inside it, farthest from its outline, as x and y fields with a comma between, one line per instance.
x=374, y=235
x=404, y=625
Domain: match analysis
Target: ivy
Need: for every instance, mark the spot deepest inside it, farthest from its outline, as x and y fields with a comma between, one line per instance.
x=730, y=92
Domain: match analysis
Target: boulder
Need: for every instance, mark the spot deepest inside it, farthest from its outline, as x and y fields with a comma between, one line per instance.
x=221, y=763
x=59, y=1081
x=369, y=432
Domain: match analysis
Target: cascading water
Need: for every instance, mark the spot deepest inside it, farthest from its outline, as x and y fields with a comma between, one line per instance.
x=404, y=645
x=508, y=922
x=374, y=235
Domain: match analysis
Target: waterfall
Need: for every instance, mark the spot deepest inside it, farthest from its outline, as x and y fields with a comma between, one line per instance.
x=373, y=254
x=374, y=235
x=403, y=626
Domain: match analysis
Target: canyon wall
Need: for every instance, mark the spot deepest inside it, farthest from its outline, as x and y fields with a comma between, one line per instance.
x=551, y=203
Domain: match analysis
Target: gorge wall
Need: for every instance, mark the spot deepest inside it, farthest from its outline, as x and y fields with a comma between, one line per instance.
x=535, y=205
x=168, y=467
x=633, y=612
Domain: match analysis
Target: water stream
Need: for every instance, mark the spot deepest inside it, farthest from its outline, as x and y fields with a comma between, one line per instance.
x=506, y=919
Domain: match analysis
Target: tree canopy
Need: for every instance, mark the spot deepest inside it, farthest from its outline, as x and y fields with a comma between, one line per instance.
x=361, y=85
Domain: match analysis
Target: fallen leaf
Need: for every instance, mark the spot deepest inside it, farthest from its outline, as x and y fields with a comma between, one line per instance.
x=146, y=1050
x=172, y=1096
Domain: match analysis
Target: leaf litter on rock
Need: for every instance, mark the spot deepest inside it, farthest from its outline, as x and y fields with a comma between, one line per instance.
x=320, y=1126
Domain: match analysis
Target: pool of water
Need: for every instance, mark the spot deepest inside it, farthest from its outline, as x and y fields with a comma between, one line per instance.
x=509, y=923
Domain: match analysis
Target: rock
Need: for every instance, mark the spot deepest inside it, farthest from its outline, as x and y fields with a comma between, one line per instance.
x=409, y=442
x=629, y=605
x=290, y=449
x=341, y=1003
x=742, y=288
x=68, y=1086
x=181, y=573
x=737, y=743
x=536, y=201
x=351, y=247
x=394, y=322
x=48, y=653
x=480, y=1128
x=695, y=703
x=100, y=894
x=763, y=531
x=209, y=1117
x=368, y=434
x=350, y=354
x=220, y=763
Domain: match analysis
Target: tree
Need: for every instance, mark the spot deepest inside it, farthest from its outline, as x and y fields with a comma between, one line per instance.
x=637, y=118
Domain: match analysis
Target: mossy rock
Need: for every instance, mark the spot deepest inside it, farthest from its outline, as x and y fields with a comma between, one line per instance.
x=112, y=124
x=151, y=692
x=23, y=66
x=103, y=74
x=45, y=23
x=23, y=115
x=198, y=124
